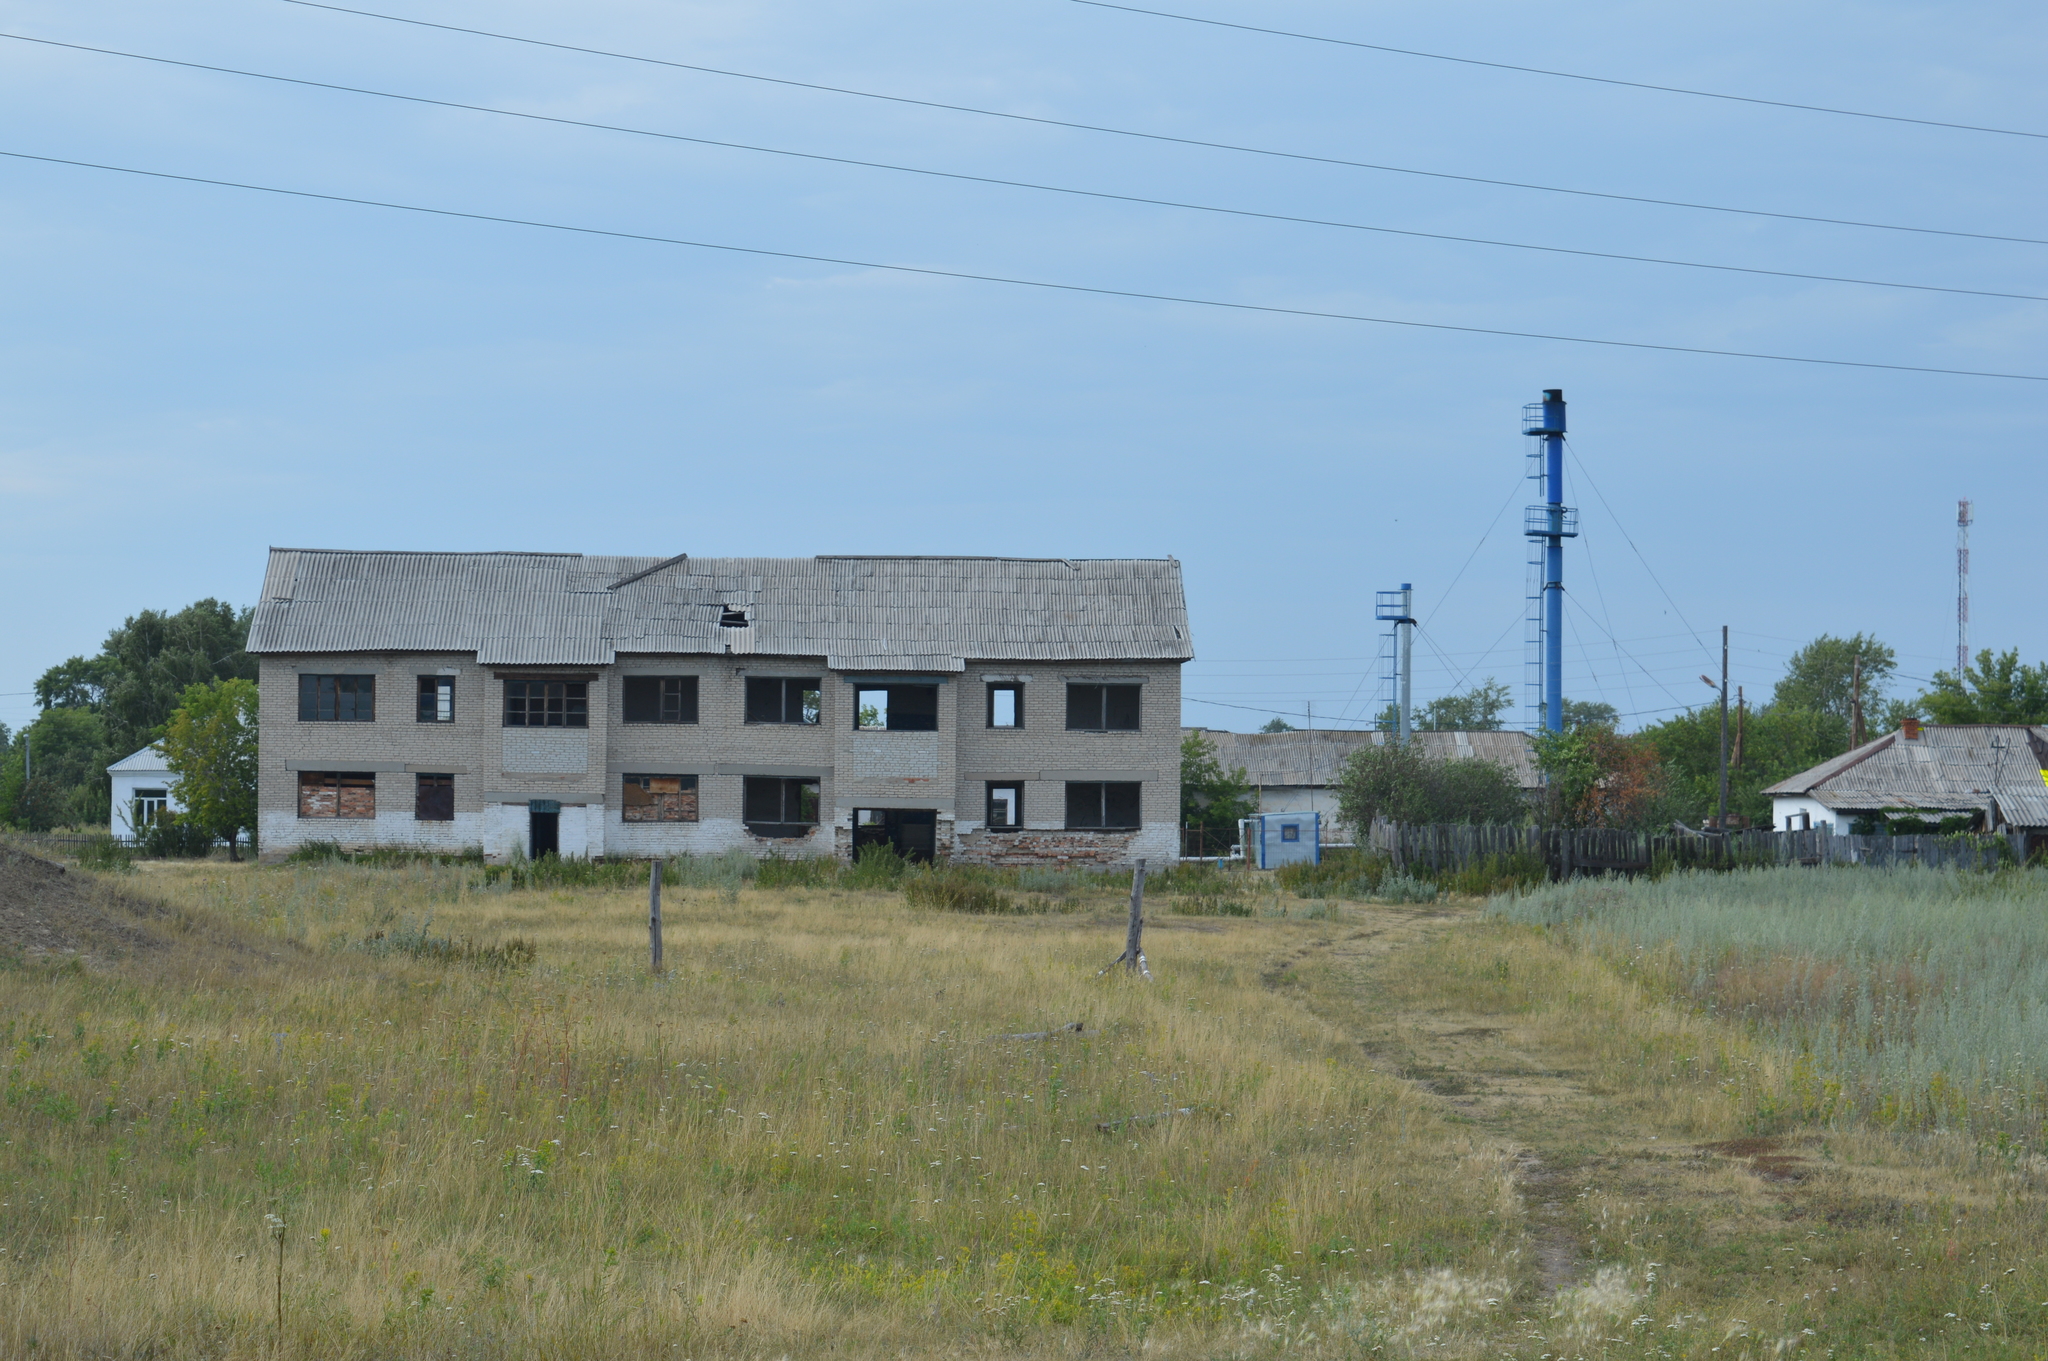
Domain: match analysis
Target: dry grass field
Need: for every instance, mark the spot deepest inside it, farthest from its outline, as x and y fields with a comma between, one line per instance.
x=338, y=1111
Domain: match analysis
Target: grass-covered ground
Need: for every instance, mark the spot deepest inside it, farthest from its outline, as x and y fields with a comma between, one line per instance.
x=1410, y=1129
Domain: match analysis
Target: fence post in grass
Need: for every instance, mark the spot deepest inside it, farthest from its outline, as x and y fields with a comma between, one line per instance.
x=1133, y=957
x=654, y=917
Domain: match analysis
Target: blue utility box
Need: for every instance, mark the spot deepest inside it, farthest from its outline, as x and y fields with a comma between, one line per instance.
x=1286, y=839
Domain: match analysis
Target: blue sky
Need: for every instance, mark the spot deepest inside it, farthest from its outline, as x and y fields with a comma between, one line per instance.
x=193, y=373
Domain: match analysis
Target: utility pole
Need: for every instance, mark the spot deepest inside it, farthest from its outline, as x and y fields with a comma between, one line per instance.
x=1721, y=819
x=1856, y=701
x=1741, y=709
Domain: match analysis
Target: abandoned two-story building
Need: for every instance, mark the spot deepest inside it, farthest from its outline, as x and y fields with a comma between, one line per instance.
x=994, y=710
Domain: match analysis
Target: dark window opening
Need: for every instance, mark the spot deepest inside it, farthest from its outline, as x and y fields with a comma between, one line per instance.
x=547, y=704
x=437, y=699
x=777, y=807
x=898, y=708
x=1110, y=805
x=433, y=798
x=1006, y=705
x=912, y=833
x=337, y=699
x=337, y=794
x=1005, y=807
x=659, y=798
x=730, y=618
x=1103, y=708
x=661, y=699
x=781, y=699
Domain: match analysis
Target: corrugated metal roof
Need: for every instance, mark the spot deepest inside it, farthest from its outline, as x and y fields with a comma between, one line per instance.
x=1949, y=766
x=2022, y=807
x=864, y=613
x=1314, y=757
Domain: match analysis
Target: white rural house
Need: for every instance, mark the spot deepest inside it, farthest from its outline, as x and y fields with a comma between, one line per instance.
x=144, y=790
x=1994, y=772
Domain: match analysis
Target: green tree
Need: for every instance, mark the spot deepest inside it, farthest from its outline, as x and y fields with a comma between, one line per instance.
x=1595, y=777
x=1277, y=724
x=159, y=654
x=80, y=683
x=210, y=746
x=1590, y=713
x=1996, y=689
x=1406, y=784
x=1777, y=741
x=1820, y=677
x=1476, y=710
x=55, y=772
x=1212, y=799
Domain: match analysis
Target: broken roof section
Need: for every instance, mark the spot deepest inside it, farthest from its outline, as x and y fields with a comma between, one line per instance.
x=1949, y=767
x=861, y=613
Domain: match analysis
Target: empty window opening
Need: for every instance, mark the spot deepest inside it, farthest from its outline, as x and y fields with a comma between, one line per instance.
x=911, y=832
x=661, y=699
x=337, y=699
x=1006, y=705
x=732, y=617
x=783, y=699
x=433, y=798
x=547, y=704
x=778, y=807
x=659, y=798
x=437, y=699
x=898, y=708
x=1109, y=805
x=337, y=794
x=1005, y=807
x=1102, y=708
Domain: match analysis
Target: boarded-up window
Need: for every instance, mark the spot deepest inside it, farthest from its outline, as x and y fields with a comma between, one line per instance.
x=433, y=798
x=337, y=794
x=659, y=798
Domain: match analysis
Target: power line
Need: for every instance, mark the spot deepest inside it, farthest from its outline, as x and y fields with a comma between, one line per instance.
x=1630, y=541
x=928, y=272
x=1067, y=190
x=1029, y=185
x=1167, y=137
x=1566, y=75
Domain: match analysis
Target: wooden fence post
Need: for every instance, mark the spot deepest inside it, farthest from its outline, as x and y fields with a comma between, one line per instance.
x=1133, y=957
x=654, y=917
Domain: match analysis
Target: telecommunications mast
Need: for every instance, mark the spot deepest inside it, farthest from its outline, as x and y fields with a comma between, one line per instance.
x=1963, y=518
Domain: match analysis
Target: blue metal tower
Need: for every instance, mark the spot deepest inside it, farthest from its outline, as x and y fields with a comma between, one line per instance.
x=1547, y=526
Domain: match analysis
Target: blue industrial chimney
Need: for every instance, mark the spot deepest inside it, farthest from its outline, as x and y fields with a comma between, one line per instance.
x=1550, y=524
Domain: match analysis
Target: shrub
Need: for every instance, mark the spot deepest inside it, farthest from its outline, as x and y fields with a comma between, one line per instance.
x=958, y=888
x=875, y=866
x=506, y=955
x=105, y=853
x=172, y=837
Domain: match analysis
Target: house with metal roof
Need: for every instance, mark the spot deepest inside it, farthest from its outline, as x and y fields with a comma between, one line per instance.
x=1000, y=710
x=1996, y=773
x=1297, y=771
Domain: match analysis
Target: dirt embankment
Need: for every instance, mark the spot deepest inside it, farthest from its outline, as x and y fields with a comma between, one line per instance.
x=46, y=910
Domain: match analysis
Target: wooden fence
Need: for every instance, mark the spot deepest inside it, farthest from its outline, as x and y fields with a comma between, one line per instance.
x=1600, y=851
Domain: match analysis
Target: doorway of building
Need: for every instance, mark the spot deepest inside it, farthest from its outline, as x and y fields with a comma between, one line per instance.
x=914, y=832
x=543, y=833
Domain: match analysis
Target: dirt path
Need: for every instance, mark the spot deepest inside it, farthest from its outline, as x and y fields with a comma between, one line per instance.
x=1570, y=1143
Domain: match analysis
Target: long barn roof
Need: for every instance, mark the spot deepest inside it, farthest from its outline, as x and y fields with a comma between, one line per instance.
x=860, y=613
x=1955, y=766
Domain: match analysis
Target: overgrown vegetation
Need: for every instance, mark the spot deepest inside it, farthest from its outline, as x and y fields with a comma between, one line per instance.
x=1915, y=996
x=1405, y=783
x=808, y=1136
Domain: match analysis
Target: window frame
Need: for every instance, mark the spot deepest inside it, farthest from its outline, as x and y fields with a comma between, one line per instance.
x=429, y=699
x=318, y=687
x=783, y=825
x=1016, y=823
x=1101, y=709
x=575, y=712
x=889, y=706
x=433, y=788
x=685, y=697
x=1016, y=689
x=686, y=785
x=803, y=685
x=1102, y=805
